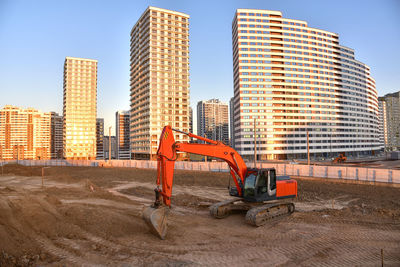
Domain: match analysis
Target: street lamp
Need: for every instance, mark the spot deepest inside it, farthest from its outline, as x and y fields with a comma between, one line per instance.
x=109, y=143
x=255, y=144
x=330, y=154
x=2, y=162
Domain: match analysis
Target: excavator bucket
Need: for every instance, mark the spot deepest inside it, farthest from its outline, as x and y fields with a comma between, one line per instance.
x=156, y=219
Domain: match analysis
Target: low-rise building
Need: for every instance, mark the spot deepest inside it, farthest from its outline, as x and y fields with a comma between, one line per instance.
x=24, y=133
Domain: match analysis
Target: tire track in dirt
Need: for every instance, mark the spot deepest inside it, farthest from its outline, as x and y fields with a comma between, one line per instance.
x=316, y=243
x=207, y=192
x=60, y=253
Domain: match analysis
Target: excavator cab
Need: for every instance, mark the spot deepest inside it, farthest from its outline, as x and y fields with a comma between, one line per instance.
x=260, y=185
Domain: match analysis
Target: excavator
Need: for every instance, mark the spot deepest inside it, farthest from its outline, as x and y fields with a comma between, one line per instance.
x=340, y=159
x=264, y=195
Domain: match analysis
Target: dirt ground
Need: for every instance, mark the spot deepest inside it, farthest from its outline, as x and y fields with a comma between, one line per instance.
x=92, y=216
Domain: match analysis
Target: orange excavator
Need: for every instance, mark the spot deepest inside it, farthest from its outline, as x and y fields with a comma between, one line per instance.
x=340, y=159
x=260, y=192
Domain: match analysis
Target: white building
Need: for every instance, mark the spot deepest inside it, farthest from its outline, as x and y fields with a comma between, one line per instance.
x=295, y=79
x=80, y=108
x=390, y=106
x=212, y=120
x=159, y=78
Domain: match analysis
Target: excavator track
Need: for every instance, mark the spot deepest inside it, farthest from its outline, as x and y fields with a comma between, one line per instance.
x=222, y=209
x=269, y=213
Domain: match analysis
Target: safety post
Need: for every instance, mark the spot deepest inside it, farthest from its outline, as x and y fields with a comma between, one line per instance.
x=43, y=175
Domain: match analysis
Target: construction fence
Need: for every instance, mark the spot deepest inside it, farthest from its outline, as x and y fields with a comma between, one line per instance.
x=328, y=172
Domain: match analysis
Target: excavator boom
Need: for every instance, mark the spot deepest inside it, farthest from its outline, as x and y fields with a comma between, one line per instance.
x=167, y=155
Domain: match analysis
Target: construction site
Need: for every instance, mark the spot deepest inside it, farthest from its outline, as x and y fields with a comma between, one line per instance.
x=77, y=216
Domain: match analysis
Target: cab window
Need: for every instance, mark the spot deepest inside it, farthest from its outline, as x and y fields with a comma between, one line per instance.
x=249, y=185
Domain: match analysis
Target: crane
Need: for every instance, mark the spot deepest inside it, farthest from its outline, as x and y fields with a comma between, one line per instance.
x=260, y=192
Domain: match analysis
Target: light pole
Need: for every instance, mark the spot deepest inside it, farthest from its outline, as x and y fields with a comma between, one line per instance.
x=109, y=143
x=330, y=154
x=151, y=147
x=2, y=161
x=255, y=144
x=308, y=149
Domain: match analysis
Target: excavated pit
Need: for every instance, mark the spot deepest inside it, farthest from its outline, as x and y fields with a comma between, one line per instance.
x=93, y=216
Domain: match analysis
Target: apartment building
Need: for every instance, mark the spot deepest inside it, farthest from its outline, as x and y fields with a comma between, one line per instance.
x=56, y=149
x=291, y=79
x=382, y=122
x=107, y=140
x=79, y=108
x=391, y=120
x=122, y=120
x=159, y=79
x=99, y=138
x=212, y=120
x=24, y=133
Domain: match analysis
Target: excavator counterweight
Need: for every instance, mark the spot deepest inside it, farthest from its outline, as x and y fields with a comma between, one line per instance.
x=259, y=192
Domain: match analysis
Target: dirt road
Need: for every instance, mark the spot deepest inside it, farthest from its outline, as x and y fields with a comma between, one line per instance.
x=92, y=216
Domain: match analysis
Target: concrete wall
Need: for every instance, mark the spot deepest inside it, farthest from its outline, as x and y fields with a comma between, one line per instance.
x=328, y=172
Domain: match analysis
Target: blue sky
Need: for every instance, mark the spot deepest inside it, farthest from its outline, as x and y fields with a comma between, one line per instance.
x=36, y=36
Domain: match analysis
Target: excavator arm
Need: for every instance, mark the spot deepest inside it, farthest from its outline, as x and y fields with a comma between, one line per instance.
x=156, y=215
x=167, y=155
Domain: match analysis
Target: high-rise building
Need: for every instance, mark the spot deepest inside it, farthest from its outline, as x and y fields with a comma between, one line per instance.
x=24, y=133
x=80, y=110
x=382, y=122
x=159, y=78
x=212, y=120
x=290, y=80
x=99, y=138
x=231, y=120
x=122, y=120
x=190, y=120
x=106, y=142
x=56, y=149
x=391, y=120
